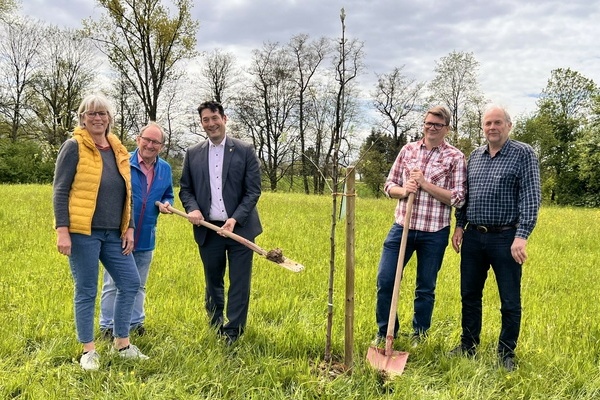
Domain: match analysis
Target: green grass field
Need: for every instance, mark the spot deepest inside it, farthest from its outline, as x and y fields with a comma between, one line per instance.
x=280, y=356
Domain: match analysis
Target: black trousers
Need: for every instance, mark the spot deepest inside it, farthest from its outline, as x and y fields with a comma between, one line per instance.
x=216, y=252
x=479, y=252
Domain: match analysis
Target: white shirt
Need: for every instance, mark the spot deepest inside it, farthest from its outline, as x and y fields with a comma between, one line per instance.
x=215, y=171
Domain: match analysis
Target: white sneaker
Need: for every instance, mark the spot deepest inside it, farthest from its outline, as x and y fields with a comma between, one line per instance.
x=132, y=352
x=90, y=361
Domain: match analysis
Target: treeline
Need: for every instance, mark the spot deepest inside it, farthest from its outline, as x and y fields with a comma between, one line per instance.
x=300, y=103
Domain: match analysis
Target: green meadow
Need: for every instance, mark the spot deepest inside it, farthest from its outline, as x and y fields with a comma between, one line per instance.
x=281, y=354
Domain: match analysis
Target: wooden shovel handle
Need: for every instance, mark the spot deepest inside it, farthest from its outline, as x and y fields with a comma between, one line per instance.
x=253, y=246
x=398, y=278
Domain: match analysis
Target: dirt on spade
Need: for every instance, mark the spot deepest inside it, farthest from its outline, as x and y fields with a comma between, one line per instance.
x=275, y=255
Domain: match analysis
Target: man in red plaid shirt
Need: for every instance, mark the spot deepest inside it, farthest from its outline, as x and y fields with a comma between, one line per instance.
x=436, y=172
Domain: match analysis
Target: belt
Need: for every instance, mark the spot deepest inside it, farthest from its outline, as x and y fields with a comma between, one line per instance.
x=490, y=228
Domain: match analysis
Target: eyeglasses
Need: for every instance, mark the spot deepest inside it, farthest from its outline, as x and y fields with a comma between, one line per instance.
x=148, y=141
x=92, y=114
x=433, y=125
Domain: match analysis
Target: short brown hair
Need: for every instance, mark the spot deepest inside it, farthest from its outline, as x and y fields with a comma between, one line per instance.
x=440, y=111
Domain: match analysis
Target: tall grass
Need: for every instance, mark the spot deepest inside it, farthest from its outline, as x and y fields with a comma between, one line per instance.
x=280, y=355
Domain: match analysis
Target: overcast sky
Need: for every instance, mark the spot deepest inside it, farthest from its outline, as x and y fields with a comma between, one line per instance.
x=517, y=43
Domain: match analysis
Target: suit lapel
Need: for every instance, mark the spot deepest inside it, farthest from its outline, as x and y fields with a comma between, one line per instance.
x=204, y=161
x=229, y=150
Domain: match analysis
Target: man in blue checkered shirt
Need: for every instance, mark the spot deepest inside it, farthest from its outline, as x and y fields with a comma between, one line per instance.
x=503, y=200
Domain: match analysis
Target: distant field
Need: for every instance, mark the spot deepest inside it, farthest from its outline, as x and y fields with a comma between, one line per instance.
x=277, y=358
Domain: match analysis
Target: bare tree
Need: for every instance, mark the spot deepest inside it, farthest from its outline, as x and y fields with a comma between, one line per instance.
x=395, y=98
x=308, y=56
x=131, y=116
x=60, y=82
x=456, y=86
x=143, y=43
x=267, y=110
x=219, y=72
x=320, y=123
x=175, y=115
x=19, y=58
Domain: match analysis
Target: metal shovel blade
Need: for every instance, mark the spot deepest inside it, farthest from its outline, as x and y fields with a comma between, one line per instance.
x=393, y=364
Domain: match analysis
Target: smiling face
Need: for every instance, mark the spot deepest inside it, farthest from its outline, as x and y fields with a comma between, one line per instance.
x=435, y=129
x=96, y=114
x=213, y=124
x=150, y=142
x=96, y=121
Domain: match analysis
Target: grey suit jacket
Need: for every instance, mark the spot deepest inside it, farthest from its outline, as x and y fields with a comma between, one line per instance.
x=241, y=186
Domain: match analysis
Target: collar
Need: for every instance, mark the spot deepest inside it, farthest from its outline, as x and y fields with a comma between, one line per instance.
x=505, y=148
x=441, y=146
x=141, y=161
x=222, y=144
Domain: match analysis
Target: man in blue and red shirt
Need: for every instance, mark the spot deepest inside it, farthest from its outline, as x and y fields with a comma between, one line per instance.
x=151, y=181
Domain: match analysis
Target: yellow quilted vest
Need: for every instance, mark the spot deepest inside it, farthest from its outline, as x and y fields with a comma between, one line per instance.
x=84, y=190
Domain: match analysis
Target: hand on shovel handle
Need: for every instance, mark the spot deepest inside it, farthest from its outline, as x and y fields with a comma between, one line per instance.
x=286, y=263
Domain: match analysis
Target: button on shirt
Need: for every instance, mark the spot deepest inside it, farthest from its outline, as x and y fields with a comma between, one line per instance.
x=504, y=189
x=443, y=166
x=215, y=170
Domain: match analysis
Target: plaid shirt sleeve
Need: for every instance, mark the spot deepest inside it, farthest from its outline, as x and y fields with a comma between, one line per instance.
x=395, y=177
x=459, y=182
x=530, y=196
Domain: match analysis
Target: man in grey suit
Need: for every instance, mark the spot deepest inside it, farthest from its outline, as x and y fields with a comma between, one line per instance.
x=221, y=183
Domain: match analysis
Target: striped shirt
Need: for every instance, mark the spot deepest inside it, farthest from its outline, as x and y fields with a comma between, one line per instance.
x=443, y=166
x=504, y=189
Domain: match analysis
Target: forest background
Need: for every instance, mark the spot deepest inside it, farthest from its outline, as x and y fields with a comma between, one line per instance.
x=301, y=103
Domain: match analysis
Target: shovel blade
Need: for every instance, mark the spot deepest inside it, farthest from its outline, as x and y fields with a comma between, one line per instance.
x=291, y=265
x=392, y=364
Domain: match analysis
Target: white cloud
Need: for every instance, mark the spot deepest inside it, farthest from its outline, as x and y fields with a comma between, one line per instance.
x=516, y=43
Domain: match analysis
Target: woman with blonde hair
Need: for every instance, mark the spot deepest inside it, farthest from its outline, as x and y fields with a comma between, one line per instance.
x=92, y=210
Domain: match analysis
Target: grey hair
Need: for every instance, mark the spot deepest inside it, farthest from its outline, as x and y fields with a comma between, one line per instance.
x=491, y=107
x=96, y=102
x=157, y=126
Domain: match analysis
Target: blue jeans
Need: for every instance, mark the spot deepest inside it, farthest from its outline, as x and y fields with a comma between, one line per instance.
x=86, y=250
x=430, y=248
x=109, y=293
x=479, y=251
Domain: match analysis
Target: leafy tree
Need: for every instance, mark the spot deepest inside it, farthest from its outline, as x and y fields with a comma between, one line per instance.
x=6, y=7
x=537, y=131
x=25, y=161
x=377, y=156
x=143, y=43
x=456, y=86
x=587, y=148
x=564, y=106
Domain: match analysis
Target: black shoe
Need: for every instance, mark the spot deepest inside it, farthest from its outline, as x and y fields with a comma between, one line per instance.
x=106, y=333
x=139, y=330
x=462, y=350
x=229, y=339
x=508, y=363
